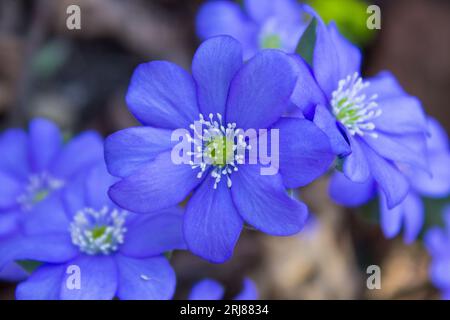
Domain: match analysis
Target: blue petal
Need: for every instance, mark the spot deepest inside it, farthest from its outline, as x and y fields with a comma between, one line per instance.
x=15, y=156
x=249, y=291
x=151, y=235
x=413, y=217
x=217, y=18
x=212, y=225
x=262, y=201
x=47, y=216
x=288, y=31
x=45, y=143
x=161, y=94
x=305, y=152
x=348, y=193
x=438, y=183
x=43, y=284
x=356, y=167
x=128, y=149
x=9, y=222
x=334, y=57
x=439, y=272
x=409, y=149
x=74, y=195
x=12, y=272
x=391, y=181
x=437, y=140
x=261, y=10
x=391, y=219
x=214, y=65
x=52, y=248
x=207, y=289
x=10, y=190
x=98, y=279
x=349, y=56
x=326, y=60
x=157, y=185
x=400, y=115
x=437, y=241
x=260, y=91
x=81, y=152
x=445, y=294
x=385, y=86
x=145, y=279
x=325, y=121
x=307, y=94
x=98, y=182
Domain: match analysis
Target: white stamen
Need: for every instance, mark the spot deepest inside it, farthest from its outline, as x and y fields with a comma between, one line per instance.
x=38, y=188
x=218, y=146
x=352, y=108
x=98, y=232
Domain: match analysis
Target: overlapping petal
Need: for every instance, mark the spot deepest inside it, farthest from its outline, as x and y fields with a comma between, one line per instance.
x=128, y=149
x=214, y=65
x=162, y=94
x=260, y=91
x=263, y=202
x=305, y=152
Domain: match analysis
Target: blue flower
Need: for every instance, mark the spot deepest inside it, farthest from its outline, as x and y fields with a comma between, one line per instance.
x=410, y=212
x=208, y=289
x=437, y=241
x=228, y=97
x=264, y=23
x=34, y=167
x=373, y=125
x=114, y=252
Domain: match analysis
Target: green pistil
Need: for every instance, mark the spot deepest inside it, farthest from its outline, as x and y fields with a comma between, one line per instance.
x=97, y=232
x=220, y=151
x=347, y=112
x=41, y=195
x=272, y=41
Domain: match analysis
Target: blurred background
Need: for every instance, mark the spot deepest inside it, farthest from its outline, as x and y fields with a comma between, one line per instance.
x=78, y=78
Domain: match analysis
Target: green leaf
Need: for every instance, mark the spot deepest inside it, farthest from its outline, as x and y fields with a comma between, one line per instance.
x=305, y=47
x=339, y=164
x=29, y=265
x=350, y=17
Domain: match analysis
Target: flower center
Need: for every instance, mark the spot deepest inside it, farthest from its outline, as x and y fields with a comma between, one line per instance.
x=271, y=41
x=352, y=108
x=39, y=187
x=222, y=148
x=98, y=232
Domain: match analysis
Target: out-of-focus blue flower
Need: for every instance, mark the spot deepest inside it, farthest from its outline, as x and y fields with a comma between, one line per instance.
x=373, y=125
x=117, y=253
x=208, y=289
x=437, y=241
x=410, y=213
x=34, y=168
x=222, y=92
x=261, y=24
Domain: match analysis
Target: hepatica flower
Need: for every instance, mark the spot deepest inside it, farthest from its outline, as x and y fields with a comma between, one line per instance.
x=209, y=289
x=35, y=166
x=437, y=241
x=410, y=213
x=225, y=97
x=372, y=123
x=91, y=249
x=261, y=24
